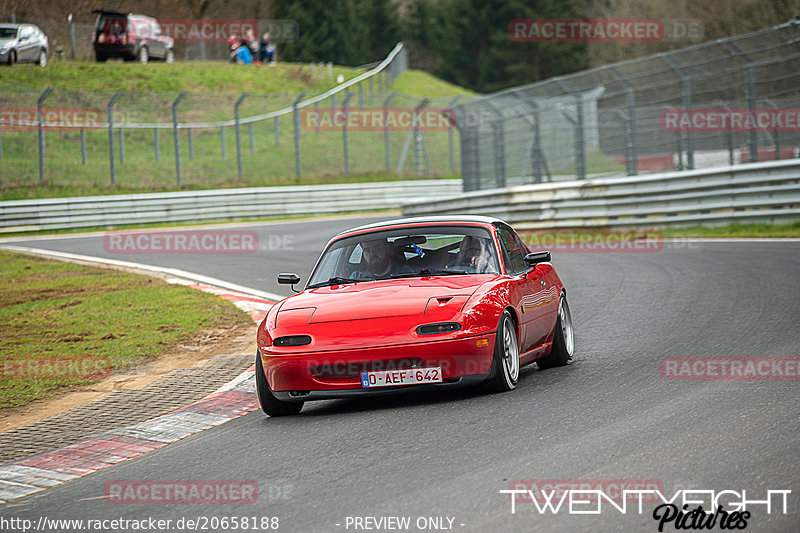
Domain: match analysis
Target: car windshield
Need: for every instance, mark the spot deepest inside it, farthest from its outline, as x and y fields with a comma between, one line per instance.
x=8, y=33
x=408, y=252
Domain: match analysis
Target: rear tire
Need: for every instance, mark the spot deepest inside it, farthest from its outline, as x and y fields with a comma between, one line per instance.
x=100, y=58
x=42, y=58
x=143, y=56
x=170, y=57
x=563, y=339
x=504, y=372
x=269, y=403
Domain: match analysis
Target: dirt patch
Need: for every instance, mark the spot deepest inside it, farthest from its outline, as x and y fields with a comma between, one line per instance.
x=233, y=340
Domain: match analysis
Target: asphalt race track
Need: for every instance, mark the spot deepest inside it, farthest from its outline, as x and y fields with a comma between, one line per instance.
x=610, y=416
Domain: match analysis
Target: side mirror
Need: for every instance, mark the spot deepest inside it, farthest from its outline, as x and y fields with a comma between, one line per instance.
x=288, y=279
x=534, y=258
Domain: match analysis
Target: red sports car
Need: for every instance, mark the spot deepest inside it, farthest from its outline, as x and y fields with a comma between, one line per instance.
x=412, y=304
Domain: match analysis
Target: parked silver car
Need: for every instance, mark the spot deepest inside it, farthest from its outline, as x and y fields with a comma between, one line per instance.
x=23, y=43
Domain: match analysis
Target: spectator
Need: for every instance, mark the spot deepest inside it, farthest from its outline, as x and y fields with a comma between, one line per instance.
x=251, y=42
x=233, y=45
x=266, y=50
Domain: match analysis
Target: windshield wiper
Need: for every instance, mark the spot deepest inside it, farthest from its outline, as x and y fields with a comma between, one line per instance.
x=338, y=281
x=445, y=271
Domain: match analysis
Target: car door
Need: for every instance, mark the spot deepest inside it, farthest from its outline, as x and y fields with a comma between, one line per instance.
x=157, y=42
x=26, y=49
x=533, y=295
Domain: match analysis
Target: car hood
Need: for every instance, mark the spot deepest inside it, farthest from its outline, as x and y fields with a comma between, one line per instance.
x=438, y=295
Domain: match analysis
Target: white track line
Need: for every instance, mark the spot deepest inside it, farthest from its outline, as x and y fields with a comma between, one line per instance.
x=139, y=268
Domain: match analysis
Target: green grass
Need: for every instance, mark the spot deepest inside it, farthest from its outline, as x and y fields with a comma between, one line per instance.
x=419, y=83
x=194, y=76
x=90, y=85
x=791, y=229
x=52, y=311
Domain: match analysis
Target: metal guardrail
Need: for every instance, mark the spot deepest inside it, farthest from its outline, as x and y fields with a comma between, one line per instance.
x=215, y=205
x=752, y=192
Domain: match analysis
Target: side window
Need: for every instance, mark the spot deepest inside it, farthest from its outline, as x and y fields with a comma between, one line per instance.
x=514, y=250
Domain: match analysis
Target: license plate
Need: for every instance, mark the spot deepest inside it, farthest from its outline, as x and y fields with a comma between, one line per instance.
x=407, y=376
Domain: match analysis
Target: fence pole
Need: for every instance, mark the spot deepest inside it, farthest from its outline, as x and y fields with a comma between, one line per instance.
x=42, y=156
x=252, y=140
x=751, y=92
x=175, y=136
x=631, y=155
x=296, y=116
x=111, y=135
x=1, y=132
x=277, y=132
x=71, y=36
x=687, y=103
x=157, y=145
x=222, y=140
x=83, y=147
x=344, y=133
x=450, y=133
x=316, y=114
x=499, y=146
x=238, y=133
x=360, y=94
x=191, y=144
x=121, y=147
x=411, y=135
x=386, y=147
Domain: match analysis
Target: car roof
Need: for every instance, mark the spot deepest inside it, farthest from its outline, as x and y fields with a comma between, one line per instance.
x=438, y=220
x=9, y=25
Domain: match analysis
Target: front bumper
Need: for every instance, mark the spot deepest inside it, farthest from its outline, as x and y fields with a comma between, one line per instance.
x=328, y=374
x=305, y=396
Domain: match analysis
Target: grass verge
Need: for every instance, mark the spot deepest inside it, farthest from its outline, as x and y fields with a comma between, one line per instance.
x=64, y=326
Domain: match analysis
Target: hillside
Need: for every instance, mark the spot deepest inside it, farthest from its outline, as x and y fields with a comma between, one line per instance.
x=210, y=160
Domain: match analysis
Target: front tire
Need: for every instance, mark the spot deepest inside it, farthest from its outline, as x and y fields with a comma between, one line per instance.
x=269, y=403
x=12, y=57
x=504, y=372
x=143, y=56
x=563, y=339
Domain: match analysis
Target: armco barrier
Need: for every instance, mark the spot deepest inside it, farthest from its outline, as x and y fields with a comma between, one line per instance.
x=756, y=192
x=215, y=205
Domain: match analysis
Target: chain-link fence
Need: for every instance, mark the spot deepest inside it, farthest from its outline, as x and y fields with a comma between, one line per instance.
x=157, y=140
x=724, y=102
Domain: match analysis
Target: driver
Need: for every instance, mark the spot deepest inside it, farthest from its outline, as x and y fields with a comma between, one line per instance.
x=378, y=261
